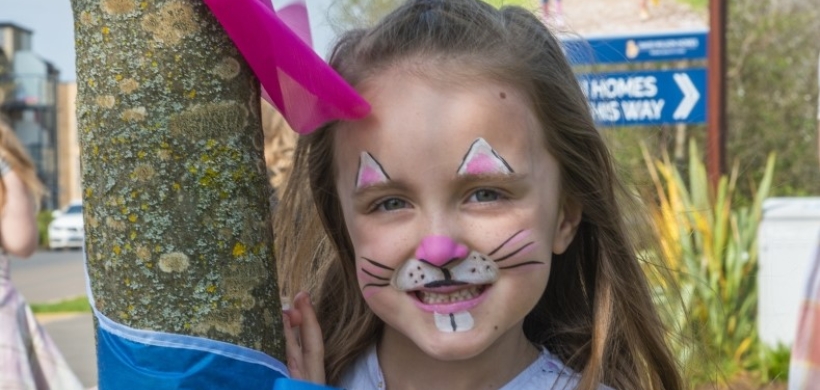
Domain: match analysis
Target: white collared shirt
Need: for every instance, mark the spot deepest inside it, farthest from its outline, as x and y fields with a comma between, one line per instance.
x=546, y=372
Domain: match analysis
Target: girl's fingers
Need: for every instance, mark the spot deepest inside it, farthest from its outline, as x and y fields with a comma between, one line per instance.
x=303, y=341
x=294, y=317
x=313, y=351
x=293, y=350
x=287, y=308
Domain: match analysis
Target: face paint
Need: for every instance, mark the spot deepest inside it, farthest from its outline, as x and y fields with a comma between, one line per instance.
x=462, y=164
x=519, y=250
x=370, y=171
x=372, y=277
x=446, y=280
x=420, y=273
x=453, y=322
x=482, y=159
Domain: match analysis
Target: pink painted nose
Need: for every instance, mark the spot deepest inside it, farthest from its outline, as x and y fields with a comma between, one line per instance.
x=438, y=250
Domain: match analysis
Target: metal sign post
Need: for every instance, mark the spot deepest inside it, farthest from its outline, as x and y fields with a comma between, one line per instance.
x=717, y=91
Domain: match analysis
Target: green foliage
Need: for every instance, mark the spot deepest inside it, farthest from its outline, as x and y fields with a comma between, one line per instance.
x=44, y=217
x=775, y=363
x=772, y=54
x=710, y=246
x=772, y=101
x=528, y=4
x=74, y=305
x=697, y=4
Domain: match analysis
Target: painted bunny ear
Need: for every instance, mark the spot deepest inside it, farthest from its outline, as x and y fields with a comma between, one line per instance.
x=305, y=90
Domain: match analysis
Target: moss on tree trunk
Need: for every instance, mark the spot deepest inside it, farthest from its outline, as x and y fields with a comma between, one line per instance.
x=176, y=200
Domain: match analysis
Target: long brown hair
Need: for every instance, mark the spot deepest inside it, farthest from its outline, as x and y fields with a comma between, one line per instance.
x=596, y=313
x=13, y=153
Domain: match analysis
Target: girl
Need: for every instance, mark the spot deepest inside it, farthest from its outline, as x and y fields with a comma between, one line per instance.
x=466, y=234
x=29, y=359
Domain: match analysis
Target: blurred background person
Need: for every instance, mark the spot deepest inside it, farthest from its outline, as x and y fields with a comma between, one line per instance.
x=644, y=10
x=554, y=15
x=28, y=357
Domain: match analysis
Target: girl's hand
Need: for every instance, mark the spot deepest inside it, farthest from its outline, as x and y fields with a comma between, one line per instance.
x=303, y=341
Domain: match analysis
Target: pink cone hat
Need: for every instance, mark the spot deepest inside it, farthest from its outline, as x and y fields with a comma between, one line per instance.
x=305, y=89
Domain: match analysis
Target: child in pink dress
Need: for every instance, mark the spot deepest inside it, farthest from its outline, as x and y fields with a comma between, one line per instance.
x=29, y=359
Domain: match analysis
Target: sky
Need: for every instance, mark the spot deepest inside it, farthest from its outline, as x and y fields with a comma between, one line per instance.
x=52, y=25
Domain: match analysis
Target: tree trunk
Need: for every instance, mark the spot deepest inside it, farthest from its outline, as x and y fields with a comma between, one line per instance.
x=178, y=233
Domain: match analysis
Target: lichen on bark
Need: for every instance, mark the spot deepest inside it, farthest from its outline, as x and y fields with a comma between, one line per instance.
x=176, y=200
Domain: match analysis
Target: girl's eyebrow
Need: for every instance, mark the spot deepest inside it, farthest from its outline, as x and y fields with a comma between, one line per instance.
x=382, y=186
x=469, y=178
x=463, y=179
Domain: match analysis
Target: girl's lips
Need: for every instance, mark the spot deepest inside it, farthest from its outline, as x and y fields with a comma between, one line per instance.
x=449, y=307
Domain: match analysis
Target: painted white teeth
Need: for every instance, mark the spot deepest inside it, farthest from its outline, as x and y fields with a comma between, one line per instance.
x=454, y=322
x=456, y=296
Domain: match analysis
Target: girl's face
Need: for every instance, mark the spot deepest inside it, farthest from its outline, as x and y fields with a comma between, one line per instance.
x=454, y=208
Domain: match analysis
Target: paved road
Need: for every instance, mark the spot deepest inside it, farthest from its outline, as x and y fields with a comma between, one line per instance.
x=54, y=276
x=74, y=335
x=50, y=276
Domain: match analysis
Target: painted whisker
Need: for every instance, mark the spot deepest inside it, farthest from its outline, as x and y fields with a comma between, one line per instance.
x=523, y=264
x=515, y=252
x=504, y=243
x=374, y=285
x=377, y=264
x=380, y=279
x=374, y=276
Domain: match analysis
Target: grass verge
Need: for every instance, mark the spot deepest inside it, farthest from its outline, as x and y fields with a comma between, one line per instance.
x=73, y=305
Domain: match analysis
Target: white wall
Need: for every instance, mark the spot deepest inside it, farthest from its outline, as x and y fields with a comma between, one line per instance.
x=787, y=242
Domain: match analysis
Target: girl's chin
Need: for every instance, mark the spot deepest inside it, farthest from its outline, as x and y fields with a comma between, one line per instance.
x=457, y=353
x=453, y=346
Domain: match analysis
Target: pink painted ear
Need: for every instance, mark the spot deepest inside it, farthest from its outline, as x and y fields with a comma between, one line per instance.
x=482, y=159
x=305, y=90
x=370, y=171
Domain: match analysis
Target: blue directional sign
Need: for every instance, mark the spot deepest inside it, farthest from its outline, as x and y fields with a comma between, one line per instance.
x=646, y=97
x=636, y=48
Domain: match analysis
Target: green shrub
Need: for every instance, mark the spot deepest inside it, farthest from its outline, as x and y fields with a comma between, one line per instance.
x=44, y=217
x=775, y=363
x=709, y=241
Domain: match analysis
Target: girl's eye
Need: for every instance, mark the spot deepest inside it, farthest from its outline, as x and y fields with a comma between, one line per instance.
x=391, y=204
x=484, y=195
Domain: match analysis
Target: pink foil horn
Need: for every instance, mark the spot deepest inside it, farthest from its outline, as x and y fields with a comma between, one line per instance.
x=305, y=90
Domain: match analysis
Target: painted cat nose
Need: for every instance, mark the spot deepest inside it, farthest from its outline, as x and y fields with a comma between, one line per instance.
x=438, y=250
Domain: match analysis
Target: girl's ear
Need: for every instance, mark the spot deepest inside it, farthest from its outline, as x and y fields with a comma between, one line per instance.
x=569, y=217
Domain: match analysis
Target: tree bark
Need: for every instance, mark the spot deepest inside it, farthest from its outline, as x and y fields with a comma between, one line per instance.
x=178, y=233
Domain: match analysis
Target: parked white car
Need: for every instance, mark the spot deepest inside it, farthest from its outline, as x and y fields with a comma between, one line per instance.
x=66, y=230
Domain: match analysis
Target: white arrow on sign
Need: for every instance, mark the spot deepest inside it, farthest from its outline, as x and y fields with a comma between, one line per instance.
x=690, y=96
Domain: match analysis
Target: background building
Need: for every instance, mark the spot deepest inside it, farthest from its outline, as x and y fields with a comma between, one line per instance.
x=29, y=86
x=68, y=147
x=43, y=110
